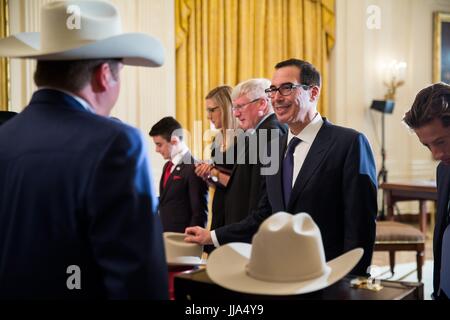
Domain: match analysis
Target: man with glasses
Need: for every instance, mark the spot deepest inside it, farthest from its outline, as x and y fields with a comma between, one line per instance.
x=256, y=118
x=325, y=170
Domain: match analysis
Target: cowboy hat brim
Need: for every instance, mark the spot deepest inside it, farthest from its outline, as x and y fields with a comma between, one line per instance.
x=186, y=261
x=226, y=266
x=180, y=253
x=136, y=49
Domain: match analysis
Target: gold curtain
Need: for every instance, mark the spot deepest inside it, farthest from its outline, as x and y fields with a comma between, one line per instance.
x=4, y=64
x=229, y=41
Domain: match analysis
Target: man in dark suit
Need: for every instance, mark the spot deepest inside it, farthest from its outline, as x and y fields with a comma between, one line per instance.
x=183, y=196
x=325, y=170
x=257, y=122
x=429, y=117
x=77, y=208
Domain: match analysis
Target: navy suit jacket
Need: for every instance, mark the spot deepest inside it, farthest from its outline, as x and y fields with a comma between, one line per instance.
x=443, y=186
x=184, y=201
x=336, y=186
x=76, y=190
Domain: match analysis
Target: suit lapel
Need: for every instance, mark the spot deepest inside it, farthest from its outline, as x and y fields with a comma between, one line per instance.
x=187, y=158
x=314, y=158
x=443, y=195
x=178, y=169
x=164, y=189
x=275, y=182
x=266, y=124
x=161, y=189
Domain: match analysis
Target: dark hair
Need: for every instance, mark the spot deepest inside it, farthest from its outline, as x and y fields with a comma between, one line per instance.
x=70, y=75
x=165, y=128
x=308, y=73
x=430, y=103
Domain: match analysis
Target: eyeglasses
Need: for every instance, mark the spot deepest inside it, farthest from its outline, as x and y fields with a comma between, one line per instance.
x=285, y=89
x=211, y=110
x=238, y=107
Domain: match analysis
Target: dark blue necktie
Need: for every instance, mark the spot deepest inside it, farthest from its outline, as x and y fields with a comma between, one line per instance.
x=288, y=169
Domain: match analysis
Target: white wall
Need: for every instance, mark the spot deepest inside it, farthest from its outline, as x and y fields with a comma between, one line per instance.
x=405, y=34
x=147, y=94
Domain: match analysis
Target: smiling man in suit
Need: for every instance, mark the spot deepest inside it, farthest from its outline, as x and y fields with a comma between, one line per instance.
x=183, y=196
x=325, y=170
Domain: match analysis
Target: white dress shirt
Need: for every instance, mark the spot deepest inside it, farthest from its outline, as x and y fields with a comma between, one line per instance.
x=307, y=136
x=176, y=159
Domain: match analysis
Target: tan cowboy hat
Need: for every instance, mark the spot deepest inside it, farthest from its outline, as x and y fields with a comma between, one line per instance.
x=181, y=253
x=286, y=257
x=80, y=30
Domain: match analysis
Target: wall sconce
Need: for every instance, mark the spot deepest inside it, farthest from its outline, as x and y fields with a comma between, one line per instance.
x=393, y=77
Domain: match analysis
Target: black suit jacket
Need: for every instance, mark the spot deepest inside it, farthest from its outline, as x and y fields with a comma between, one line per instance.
x=443, y=186
x=244, y=188
x=336, y=186
x=184, y=201
x=76, y=190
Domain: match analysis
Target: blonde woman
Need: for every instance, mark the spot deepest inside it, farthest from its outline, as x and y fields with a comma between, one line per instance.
x=219, y=109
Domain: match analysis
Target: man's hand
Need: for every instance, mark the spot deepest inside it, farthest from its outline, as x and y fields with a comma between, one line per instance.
x=203, y=170
x=198, y=235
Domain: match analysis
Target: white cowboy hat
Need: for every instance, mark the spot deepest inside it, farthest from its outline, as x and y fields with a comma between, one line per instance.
x=80, y=30
x=181, y=253
x=286, y=258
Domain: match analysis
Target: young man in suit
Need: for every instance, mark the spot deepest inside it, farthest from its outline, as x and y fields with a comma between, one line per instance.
x=78, y=213
x=325, y=170
x=183, y=196
x=429, y=118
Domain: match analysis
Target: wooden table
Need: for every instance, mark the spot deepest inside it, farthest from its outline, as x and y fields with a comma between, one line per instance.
x=410, y=191
x=195, y=285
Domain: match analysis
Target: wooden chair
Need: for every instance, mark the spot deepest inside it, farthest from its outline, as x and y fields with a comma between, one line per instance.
x=394, y=236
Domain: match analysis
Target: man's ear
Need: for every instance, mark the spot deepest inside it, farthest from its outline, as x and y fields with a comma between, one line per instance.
x=263, y=106
x=315, y=91
x=174, y=140
x=101, y=78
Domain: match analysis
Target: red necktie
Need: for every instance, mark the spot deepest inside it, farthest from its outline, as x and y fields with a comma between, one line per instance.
x=167, y=173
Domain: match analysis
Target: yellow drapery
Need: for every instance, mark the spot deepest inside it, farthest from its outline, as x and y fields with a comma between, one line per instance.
x=229, y=41
x=4, y=66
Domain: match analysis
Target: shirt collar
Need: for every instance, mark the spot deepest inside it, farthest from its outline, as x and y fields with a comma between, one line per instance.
x=176, y=159
x=309, y=133
x=80, y=100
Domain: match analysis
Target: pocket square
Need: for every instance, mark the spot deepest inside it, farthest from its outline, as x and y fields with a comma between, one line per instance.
x=177, y=177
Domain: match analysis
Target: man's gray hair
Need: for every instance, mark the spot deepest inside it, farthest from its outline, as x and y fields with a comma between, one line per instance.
x=252, y=89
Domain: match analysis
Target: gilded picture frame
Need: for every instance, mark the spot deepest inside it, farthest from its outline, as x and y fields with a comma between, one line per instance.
x=4, y=63
x=441, y=47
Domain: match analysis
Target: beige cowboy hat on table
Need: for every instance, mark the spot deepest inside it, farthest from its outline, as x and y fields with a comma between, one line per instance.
x=98, y=35
x=286, y=257
x=181, y=253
